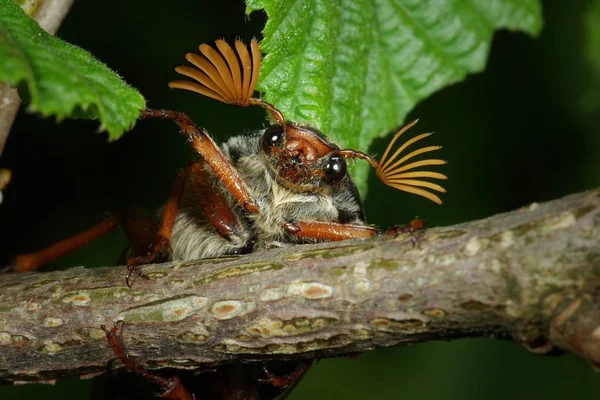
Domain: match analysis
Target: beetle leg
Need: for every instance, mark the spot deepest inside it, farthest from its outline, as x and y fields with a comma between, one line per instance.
x=32, y=261
x=329, y=231
x=161, y=242
x=139, y=229
x=333, y=231
x=172, y=388
x=289, y=379
x=213, y=202
x=413, y=226
x=210, y=153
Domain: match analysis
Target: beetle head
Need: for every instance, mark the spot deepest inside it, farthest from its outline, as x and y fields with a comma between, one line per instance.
x=302, y=158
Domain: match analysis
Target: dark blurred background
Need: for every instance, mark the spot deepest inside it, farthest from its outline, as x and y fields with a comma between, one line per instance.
x=524, y=130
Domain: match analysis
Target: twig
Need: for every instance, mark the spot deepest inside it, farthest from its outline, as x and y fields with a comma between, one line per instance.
x=531, y=275
x=49, y=15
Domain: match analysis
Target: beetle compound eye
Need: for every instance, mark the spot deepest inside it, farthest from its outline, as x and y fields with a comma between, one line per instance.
x=273, y=137
x=335, y=170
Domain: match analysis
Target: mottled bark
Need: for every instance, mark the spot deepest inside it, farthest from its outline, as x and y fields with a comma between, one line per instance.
x=49, y=15
x=532, y=275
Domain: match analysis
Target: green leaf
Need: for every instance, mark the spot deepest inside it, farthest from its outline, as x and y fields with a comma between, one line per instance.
x=61, y=79
x=355, y=68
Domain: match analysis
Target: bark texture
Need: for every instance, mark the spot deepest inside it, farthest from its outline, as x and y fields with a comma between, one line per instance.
x=49, y=15
x=531, y=275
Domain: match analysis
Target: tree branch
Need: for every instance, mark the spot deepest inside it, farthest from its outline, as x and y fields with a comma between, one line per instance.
x=49, y=15
x=531, y=275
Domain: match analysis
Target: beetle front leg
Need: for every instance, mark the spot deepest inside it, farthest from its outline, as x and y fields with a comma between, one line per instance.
x=172, y=388
x=329, y=231
x=334, y=231
x=210, y=153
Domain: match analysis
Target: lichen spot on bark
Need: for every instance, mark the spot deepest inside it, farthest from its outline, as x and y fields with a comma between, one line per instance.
x=405, y=297
x=191, y=337
x=434, y=312
x=562, y=221
x=168, y=310
x=507, y=239
x=19, y=340
x=310, y=290
x=228, y=309
x=81, y=298
x=5, y=338
x=157, y=274
x=445, y=259
x=406, y=326
x=474, y=305
x=51, y=322
x=473, y=246
x=50, y=348
x=273, y=294
x=91, y=333
x=238, y=270
x=362, y=286
x=330, y=253
x=267, y=328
